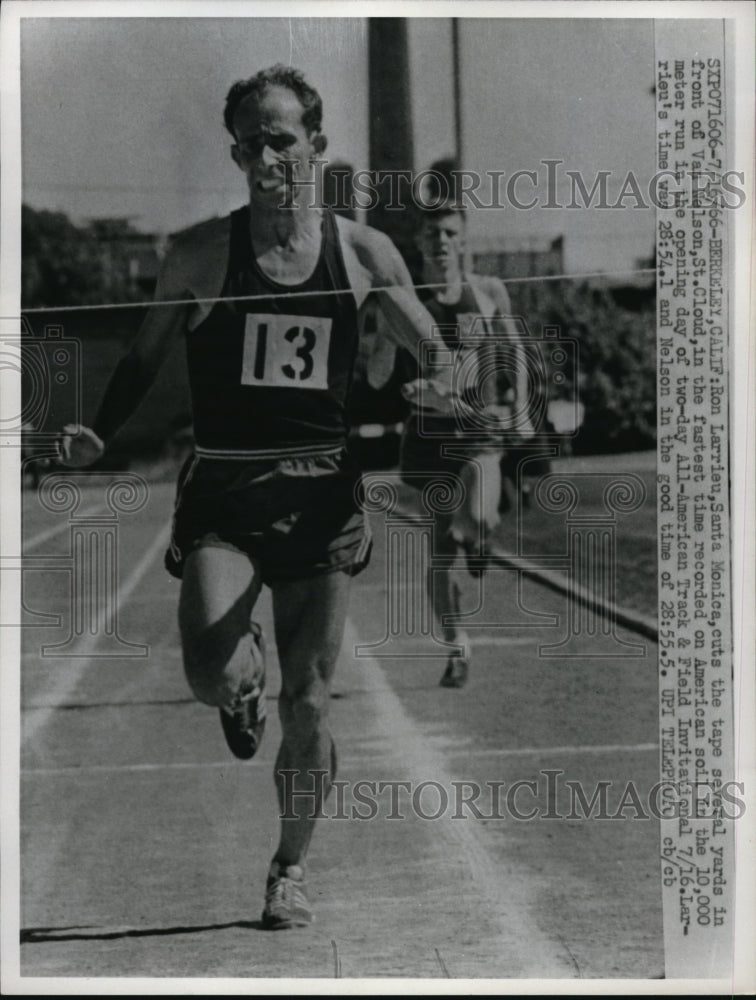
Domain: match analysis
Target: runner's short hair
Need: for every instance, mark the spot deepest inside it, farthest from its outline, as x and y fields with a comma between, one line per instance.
x=441, y=195
x=444, y=206
x=276, y=76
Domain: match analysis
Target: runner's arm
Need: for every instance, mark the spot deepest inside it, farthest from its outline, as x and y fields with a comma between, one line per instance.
x=135, y=372
x=407, y=322
x=496, y=290
x=381, y=351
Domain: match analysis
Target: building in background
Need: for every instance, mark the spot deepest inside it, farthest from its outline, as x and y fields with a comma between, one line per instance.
x=129, y=258
x=516, y=258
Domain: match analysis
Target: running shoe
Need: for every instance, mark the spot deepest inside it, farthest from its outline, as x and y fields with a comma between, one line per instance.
x=286, y=904
x=244, y=721
x=455, y=675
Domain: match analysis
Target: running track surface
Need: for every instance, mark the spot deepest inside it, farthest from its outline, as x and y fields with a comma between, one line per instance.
x=145, y=845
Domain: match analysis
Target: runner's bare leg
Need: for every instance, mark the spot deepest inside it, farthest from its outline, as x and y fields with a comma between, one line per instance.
x=218, y=591
x=310, y=616
x=443, y=593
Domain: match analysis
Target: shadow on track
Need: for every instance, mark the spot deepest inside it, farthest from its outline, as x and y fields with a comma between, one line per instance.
x=40, y=935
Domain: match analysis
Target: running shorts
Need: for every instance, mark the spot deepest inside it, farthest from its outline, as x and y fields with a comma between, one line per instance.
x=423, y=456
x=298, y=517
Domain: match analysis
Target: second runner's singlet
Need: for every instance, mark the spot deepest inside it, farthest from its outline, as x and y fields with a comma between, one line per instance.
x=455, y=323
x=270, y=378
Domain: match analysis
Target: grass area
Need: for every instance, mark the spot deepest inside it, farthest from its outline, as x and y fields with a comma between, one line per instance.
x=544, y=533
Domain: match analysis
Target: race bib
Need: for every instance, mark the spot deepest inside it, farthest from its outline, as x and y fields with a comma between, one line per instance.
x=286, y=351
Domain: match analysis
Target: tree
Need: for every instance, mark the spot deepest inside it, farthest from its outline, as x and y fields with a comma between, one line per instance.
x=60, y=262
x=64, y=264
x=616, y=376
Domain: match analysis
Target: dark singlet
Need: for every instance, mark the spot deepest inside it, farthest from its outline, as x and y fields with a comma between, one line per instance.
x=271, y=378
x=455, y=322
x=459, y=319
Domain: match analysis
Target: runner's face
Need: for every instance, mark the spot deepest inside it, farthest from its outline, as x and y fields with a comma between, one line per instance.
x=269, y=132
x=442, y=238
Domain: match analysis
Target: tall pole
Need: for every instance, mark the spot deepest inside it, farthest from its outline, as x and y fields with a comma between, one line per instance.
x=457, y=92
x=390, y=115
x=457, y=69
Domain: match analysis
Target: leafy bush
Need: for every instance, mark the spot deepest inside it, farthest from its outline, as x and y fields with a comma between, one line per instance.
x=616, y=378
x=63, y=264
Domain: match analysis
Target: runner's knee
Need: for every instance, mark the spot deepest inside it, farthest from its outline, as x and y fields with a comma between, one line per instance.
x=209, y=665
x=306, y=709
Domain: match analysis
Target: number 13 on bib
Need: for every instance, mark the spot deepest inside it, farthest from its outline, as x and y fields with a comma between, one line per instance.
x=286, y=351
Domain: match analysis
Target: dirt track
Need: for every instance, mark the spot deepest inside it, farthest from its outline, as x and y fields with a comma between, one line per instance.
x=145, y=845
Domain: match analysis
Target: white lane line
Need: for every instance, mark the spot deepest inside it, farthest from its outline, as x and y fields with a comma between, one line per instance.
x=66, y=674
x=499, y=640
x=352, y=759
x=43, y=536
x=555, y=751
x=505, y=897
x=189, y=765
x=482, y=641
x=460, y=750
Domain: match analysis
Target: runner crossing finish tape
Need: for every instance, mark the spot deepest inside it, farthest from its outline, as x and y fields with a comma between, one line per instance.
x=309, y=294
